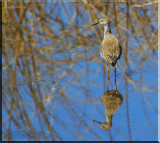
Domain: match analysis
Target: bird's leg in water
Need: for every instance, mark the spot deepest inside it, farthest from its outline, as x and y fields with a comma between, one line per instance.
x=108, y=84
x=108, y=71
x=115, y=78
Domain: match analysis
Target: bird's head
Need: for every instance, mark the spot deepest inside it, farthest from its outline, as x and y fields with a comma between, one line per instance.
x=103, y=21
x=105, y=125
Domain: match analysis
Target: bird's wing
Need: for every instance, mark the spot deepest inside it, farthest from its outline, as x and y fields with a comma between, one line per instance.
x=111, y=50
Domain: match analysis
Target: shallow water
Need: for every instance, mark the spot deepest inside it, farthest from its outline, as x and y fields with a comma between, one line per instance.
x=54, y=77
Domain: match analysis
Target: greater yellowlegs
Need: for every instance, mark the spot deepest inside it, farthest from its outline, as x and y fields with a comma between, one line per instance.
x=110, y=48
x=111, y=101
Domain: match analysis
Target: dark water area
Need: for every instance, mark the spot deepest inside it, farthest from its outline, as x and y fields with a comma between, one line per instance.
x=55, y=84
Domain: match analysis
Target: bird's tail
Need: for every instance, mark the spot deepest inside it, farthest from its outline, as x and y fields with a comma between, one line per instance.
x=113, y=64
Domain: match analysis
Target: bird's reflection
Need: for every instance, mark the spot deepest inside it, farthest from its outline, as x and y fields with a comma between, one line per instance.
x=111, y=101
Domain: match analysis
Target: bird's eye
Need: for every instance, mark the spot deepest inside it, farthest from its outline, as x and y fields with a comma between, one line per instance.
x=101, y=20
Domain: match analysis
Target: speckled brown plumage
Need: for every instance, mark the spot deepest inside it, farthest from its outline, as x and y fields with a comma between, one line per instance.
x=111, y=101
x=110, y=49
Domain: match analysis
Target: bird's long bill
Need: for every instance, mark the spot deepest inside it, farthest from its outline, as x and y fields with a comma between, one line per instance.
x=98, y=122
x=95, y=24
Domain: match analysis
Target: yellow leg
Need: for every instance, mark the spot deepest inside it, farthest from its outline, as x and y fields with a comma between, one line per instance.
x=108, y=71
x=108, y=83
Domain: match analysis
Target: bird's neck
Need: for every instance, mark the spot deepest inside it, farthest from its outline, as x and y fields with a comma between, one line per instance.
x=107, y=29
x=109, y=118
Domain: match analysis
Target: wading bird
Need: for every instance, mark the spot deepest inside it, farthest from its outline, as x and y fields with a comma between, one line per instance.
x=110, y=48
x=111, y=100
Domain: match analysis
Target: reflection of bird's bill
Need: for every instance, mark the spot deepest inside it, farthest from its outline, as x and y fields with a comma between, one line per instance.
x=95, y=24
x=98, y=122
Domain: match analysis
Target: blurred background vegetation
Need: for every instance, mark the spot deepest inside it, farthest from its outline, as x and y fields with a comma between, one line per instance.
x=54, y=77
